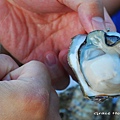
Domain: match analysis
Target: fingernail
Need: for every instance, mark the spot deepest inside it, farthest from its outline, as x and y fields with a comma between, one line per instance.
x=98, y=23
x=98, y=19
x=50, y=59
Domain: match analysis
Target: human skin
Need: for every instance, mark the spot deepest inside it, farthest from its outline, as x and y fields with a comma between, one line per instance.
x=112, y=6
x=26, y=93
x=42, y=30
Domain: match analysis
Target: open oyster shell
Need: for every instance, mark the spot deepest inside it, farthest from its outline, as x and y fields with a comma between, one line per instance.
x=95, y=60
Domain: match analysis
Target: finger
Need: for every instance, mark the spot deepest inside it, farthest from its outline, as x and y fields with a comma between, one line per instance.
x=90, y=13
x=64, y=61
x=7, y=64
x=60, y=78
x=39, y=81
x=112, y=6
x=38, y=6
x=29, y=95
x=32, y=71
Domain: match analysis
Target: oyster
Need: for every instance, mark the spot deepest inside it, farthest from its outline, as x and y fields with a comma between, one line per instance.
x=95, y=60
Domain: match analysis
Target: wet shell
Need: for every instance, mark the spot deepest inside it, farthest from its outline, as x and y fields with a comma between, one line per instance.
x=95, y=60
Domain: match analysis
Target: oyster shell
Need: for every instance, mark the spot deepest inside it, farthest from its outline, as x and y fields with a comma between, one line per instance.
x=95, y=60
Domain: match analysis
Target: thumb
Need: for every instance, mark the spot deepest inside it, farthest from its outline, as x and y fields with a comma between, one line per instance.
x=91, y=14
x=92, y=18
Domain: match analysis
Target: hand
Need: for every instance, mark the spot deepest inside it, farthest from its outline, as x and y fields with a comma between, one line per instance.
x=42, y=30
x=112, y=6
x=26, y=92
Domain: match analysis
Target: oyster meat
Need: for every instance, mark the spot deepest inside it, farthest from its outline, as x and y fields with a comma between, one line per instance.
x=95, y=60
